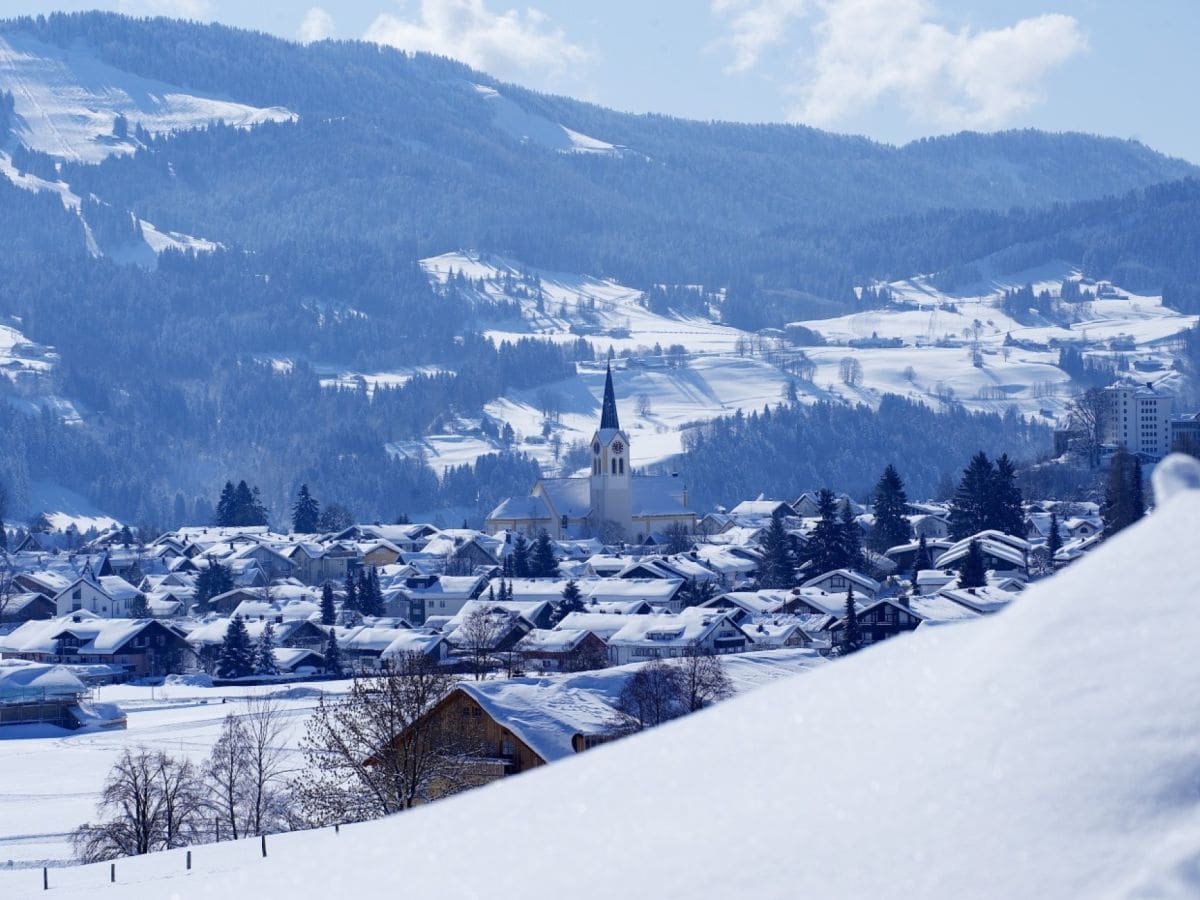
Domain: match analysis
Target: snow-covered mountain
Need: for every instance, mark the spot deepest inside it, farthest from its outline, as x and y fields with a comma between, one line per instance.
x=1047, y=751
x=67, y=102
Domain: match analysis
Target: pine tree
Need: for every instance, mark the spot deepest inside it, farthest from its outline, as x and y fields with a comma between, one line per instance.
x=351, y=603
x=139, y=608
x=520, y=557
x=777, y=569
x=973, y=573
x=572, y=600
x=850, y=640
x=264, y=652
x=1005, y=510
x=890, y=502
x=850, y=540
x=333, y=654
x=212, y=582
x=1124, y=501
x=370, y=596
x=969, y=510
x=237, y=655
x=824, y=548
x=922, y=561
x=226, y=506
x=306, y=512
x=328, y=610
x=542, y=562
x=1054, y=539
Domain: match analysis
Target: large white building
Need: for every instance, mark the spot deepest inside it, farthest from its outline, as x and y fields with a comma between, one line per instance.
x=611, y=503
x=1138, y=418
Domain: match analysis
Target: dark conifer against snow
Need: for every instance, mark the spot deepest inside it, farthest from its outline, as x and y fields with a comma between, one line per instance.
x=824, y=548
x=328, y=610
x=1006, y=511
x=351, y=602
x=370, y=596
x=1054, y=539
x=850, y=638
x=890, y=502
x=922, y=560
x=850, y=539
x=973, y=573
x=1124, y=499
x=572, y=598
x=971, y=506
x=542, y=562
x=777, y=569
x=520, y=557
x=333, y=654
x=237, y=654
x=264, y=652
x=306, y=512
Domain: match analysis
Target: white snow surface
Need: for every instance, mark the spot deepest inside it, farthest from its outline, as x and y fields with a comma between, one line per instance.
x=529, y=127
x=1046, y=751
x=66, y=101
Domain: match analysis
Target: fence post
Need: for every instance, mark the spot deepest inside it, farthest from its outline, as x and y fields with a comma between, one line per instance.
x=336, y=828
x=264, y=845
x=45, y=879
x=189, y=860
x=112, y=873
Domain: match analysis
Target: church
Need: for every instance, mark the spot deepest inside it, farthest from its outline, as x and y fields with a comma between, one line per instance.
x=611, y=503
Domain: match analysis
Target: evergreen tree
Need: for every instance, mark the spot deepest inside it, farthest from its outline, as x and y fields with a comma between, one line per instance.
x=1006, y=512
x=1137, y=491
x=520, y=557
x=850, y=639
x=139, y=608
x=237, y=655
x=922, y=560
x=333, y=654
x=212, y=582
x=370, y=596
x=351, y=603
x=972, y=573
x=890, y=502
x=971, y=505
x=696, y=593
x=328, y=610
x=778, y=569
x=542, y=562
x=824, y=549
x=226, y=506
x=306, y=512
x=850, y=539
x=572, y=600
x=1054, y=539
x=264, y=652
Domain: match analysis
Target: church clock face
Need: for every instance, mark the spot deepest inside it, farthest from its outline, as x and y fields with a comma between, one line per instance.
x=618, y=448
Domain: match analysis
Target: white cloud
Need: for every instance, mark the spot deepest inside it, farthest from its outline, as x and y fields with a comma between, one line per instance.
x=503, y=43
x=869, y=52
x=317, y=25
x=755, y=25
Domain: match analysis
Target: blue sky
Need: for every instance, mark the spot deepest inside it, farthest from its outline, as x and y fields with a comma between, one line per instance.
x=891, y=69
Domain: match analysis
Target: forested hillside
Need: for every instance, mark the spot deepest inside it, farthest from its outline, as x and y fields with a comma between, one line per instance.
x=175, y=367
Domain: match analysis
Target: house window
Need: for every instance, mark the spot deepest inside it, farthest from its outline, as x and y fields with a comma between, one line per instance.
x=507, y=747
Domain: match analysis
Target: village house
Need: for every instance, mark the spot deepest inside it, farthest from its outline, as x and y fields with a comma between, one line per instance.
x=130, y=648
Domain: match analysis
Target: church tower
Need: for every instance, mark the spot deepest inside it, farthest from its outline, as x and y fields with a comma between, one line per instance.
x=611, y=479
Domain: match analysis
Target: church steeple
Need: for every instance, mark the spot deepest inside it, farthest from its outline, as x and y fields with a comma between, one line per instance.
x=608, y=413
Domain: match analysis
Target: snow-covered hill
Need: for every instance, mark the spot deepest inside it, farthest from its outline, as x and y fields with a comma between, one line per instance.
x=527, y=127
x=67, y=102
x=921, y=345
x=1047, y=751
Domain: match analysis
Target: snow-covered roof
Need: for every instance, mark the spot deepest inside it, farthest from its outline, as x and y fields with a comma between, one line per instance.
x=25, y=681
x=862, y=582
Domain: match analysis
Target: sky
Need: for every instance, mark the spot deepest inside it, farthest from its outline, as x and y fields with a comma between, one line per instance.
x=894, y=70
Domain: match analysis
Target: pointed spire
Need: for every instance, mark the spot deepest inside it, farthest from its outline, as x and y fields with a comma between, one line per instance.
x=608, y=413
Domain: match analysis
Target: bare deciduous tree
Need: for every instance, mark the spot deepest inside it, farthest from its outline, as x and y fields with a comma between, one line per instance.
x=704, y=680
x=377, y=750
x=477, y=636
x=245, y=771
x=154, y=802
x=1086, y=417
x=654, y=694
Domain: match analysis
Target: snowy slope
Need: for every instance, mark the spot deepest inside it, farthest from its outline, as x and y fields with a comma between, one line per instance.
x=67, y=100
x=529, y=127
x=1048, y=751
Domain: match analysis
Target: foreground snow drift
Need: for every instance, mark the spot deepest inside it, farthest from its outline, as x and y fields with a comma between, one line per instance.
x=1048, y=751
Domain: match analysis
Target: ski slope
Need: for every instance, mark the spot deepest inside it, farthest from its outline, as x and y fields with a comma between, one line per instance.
x=1046, y=751
x=527, y=127
x=66, y=101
